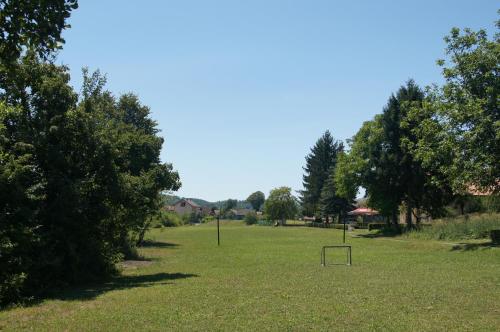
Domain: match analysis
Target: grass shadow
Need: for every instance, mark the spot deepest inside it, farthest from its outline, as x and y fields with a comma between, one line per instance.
x=379, y=234
x=474, y=246
x=119, y=283
x=157, y=244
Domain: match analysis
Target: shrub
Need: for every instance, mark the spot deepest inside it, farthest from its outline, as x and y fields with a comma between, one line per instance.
x=207, y=219
x=265, y=223
x=171, y=219
x=475, y=227
x=491, y=203
x=376, y=225
x=495, y=236
x=251, y=218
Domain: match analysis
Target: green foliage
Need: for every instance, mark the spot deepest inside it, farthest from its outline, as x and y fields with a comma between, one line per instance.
x=228, y=214
x=281, y=205
x=256, y=200
x=230, y=204
x=32, y=24
x=459, y=228
x=83, y=178
x=376, y=225
x=207, y=219
x=251, y=218
x=170, y=219
x=319, y=164
x=193, y=218
x=461, y=136
x=495, y=236
x=381, y=160
x=490, y=203
x=330, y=202
x=463, y=204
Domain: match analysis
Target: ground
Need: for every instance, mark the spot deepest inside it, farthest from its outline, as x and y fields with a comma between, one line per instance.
x=270, y=278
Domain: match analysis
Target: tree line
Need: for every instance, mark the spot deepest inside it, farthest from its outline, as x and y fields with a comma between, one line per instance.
x=80, y=173
x=427, y=148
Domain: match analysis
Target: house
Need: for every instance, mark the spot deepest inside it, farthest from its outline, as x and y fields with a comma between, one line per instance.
x=239, y=214
x=187, y=206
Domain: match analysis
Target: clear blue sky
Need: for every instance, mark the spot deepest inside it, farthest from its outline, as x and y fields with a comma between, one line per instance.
x=242, y=89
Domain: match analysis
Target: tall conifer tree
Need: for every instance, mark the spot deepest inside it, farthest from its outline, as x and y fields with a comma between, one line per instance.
x=319, y=161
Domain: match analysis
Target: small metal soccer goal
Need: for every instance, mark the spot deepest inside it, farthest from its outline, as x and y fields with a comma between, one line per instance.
x=342, y=246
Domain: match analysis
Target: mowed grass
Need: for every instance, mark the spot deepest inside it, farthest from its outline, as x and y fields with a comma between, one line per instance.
x=266, y=278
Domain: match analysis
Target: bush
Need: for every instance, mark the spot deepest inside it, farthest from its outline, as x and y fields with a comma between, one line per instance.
x=376, y=225
x=251, y=218
x=475, y=227
x=207, y=219
x=495, y=236
x=171, y=219
x=491, y=203
x=265, y=223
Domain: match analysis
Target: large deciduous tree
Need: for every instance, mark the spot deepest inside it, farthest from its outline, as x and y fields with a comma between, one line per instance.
x=32, y=24
x=281, y=205
x=461, y=136
x=319, y=163
x=256, y=199
x=84, y=176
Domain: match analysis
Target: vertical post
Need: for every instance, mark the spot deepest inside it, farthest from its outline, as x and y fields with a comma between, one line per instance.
x=344, y=229
x=218, y=232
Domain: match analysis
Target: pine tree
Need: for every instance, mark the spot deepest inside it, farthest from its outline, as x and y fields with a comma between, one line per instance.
x=319, y=161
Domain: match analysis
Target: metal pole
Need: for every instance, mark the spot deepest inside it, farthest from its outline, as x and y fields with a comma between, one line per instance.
x=218, y=232
x=344, y=229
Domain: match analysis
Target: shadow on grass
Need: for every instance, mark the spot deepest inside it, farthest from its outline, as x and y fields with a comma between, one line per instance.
x=119, y=283
x=474, y=246
x=380, y=233
x=157, y=244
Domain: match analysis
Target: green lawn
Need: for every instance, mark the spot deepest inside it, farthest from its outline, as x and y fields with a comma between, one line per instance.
x=266, y=278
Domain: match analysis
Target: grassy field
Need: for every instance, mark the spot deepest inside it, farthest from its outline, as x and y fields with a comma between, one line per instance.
x=265, y=278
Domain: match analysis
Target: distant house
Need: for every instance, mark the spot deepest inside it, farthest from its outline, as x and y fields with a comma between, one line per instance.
x=239, y=214
x=187, y=206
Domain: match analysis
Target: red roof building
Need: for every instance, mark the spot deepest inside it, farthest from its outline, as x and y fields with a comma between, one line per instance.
x=363, y=212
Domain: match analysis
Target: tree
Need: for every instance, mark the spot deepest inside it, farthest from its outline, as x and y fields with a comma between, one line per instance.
x=381, y=160
x=319, y=162
x=87, y=179
x=230, y=204
x=281, y=205
x=34, y=25
x=81, y=176
x=256, y=200
x=330, y=202
x=460, y=137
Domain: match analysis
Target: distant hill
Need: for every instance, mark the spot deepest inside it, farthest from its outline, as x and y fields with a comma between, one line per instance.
x=172, y=199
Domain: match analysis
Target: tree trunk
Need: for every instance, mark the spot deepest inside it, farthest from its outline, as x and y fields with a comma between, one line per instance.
x=395, y=222
x=142, y=233
x=418, y=219
x=409, y=223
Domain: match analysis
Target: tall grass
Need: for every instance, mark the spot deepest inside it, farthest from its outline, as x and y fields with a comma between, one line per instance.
x=459, y=228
